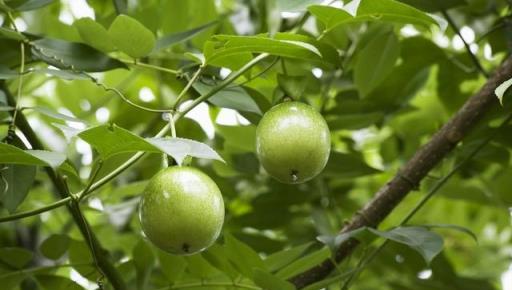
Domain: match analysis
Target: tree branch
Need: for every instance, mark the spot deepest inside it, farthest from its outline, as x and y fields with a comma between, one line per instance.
x=104, y=263
x=411, y=174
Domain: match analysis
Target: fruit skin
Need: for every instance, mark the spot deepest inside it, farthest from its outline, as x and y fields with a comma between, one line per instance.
x=181, y=210
x=293, y=142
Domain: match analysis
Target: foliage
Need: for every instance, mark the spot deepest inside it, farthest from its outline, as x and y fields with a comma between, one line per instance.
x=110, y=93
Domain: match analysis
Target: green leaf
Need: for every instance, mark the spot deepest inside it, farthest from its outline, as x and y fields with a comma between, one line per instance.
x=271, y=282
x=16, y=258
x=282, y=258
x=453, y=227
x=235, y=98
x=330, y=16
x=375, y=61
x=6, y=73
x=425, y=242
x=501, y=89
x=242, y=256
x=343, y=165
x=79, y=253
x=56, y=115
x=370, y=10
x=238, y=138
x=63, y=74
x=304, y=263
x=179, y=148
x=217, y=257
x=16, y=181
x=144, y=261
x=11, y=34
x=69, y=132
x=175, y=38
x=55, y=246
x=94, y=34
x=294, y=6
x=230, y=45
x=333, y=242
x=73, y=56
x=354, y=121
x=172, y=266
x=24, y=5
x=323, y=284
x=131, y=37
x=13, y=155
x=434, y=5
x=199, y=267
x=111, y=140
x=293, y=86
x=393, y=11
x=52, y=282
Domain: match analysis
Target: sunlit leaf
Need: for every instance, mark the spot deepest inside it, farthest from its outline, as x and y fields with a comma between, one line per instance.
x=131, y=37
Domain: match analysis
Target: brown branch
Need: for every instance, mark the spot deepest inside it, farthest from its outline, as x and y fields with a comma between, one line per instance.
x=58, y=181
x=411, y=174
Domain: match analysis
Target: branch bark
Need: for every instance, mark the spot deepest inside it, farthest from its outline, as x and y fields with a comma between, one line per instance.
x=411, y=174
x=104, y=263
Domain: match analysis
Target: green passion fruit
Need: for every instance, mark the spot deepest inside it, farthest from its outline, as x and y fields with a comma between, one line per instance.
x=293, y=142
x=181, y=210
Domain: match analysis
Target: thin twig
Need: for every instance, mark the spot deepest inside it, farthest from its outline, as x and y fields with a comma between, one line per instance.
x=466, y=45
x=187, y=86
x=150, y=66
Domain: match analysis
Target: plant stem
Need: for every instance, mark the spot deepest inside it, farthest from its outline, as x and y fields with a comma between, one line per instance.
x=187, y=86
x=150, y=66
x=121, y=168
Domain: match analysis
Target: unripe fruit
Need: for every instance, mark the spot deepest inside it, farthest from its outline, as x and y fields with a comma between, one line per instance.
x=182, y=210
x=293, y=142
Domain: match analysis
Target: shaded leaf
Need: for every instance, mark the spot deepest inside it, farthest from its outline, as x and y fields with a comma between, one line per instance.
x=304, y=263
x=52, y=282
x=11, y=34
x=73, y=55
x=172, y=266
x=55, y=246
x=143, y=259
x=26, y=5
x=425, y=242
x=6, y=73
x=282, y=258
x=16, y=258
x=175, y=38
x=242, y=256
x=233, y=98
x=271, y=282
x=375, y=61
x=15, y=183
